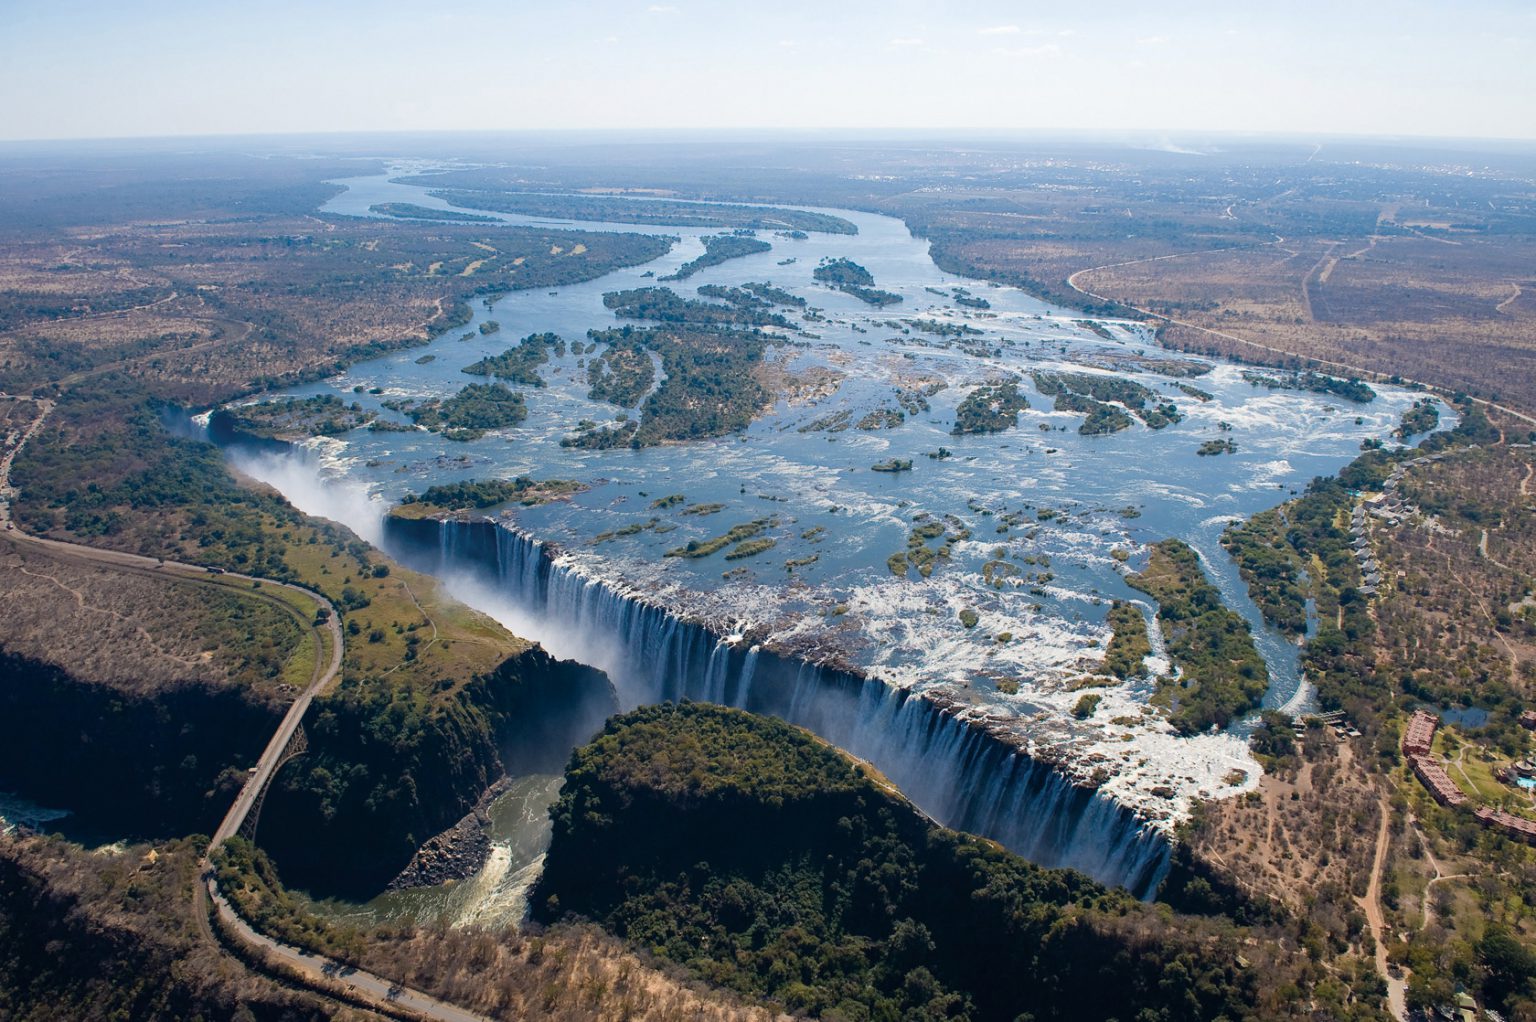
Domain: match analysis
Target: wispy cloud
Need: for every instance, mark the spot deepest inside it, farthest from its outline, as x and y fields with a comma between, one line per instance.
x=906, y=41
x=661, y=9
x=1001, y=30
x=1152, y=40
x=1043, y=50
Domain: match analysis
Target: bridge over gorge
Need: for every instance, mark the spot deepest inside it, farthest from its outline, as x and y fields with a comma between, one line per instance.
x=284, y=962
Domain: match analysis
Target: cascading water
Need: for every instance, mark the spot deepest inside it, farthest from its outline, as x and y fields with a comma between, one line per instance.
x=951, y=768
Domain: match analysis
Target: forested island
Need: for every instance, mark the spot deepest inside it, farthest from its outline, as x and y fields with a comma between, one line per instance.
x=990, y=408
x=1096, y=396
x=849, y=277
x=469, y=414
x=294, y=418
x=1221, y=674
x=709, y=383
x=719, y=248
x=623, y=373
x=1317, y=383
x=411, y=211
x=661, y=212
x=667, y=306
x=520, y=364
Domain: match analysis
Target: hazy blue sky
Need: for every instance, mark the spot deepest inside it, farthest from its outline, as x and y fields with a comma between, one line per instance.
x=75, y=68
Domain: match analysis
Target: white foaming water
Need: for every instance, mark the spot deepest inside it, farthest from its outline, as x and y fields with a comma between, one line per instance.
x=1041, y=498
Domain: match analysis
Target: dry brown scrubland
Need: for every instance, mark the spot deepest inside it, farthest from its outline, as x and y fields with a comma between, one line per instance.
x=137, y=633
x=1454, y=623
x=1303, y=838
x=133, y=906
x=569, y=972
x=199, y=310
x=116, y=936
x=1445, y=313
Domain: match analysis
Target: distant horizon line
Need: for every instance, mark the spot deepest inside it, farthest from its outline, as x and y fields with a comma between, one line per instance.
x=792, y=132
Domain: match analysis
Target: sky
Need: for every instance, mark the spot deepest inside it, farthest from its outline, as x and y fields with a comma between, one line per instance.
x=125, y=68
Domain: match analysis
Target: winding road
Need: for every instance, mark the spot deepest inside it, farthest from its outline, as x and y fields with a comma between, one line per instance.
x=1343, y=367
x=321, y=975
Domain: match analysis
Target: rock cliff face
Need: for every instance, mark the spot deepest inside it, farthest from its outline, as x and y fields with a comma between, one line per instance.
x=960, y=767
x=388, y=769
x=157, y=763
x=766, y=861
x=98, y=936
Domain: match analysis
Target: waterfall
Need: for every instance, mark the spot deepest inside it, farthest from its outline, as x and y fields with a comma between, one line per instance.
x=953, y=769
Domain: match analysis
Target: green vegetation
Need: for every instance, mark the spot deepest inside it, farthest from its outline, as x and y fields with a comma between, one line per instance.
x=1093, y=394
x=1128, y=644
x=990, y=408
x=710, y=387
x=520, y=363
x=1086, y=704
x=892, y=465
x=1318, y=383
x=489, y=327
x=622, y=375
x=737, y=534
x=411, y=211
x=919, y=553
x=849, y=277
x=487, y=493
x=1423, y=417
x=1214, y=447
x=665, y=306
x=589, y=436
x=750, y=548
x=248, y=879
x=719, y=248
x=1273, y=739
x=1223, y=675
x=943, y=327
x=881, y=418
x=1271, y=565
x=661, y=212
x=294, y=418
x=843, y=273
x=766, y=862
x=1100, y=418
x=471, y=412
x=775, y=295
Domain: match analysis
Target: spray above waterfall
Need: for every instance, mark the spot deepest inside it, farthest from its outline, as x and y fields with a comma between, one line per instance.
x=950, y=766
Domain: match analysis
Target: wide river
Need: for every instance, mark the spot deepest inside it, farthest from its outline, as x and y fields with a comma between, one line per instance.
x=1051, y=519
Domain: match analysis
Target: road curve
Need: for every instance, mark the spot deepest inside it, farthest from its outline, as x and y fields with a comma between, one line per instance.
x=332, y=978
x=320, y=974
x=326, y=635
x=1357, y=371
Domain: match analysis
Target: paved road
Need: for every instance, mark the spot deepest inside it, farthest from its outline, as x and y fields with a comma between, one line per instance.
x=1341, y=367
x=318, y=973
x=270, y=760
x=331, y=978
